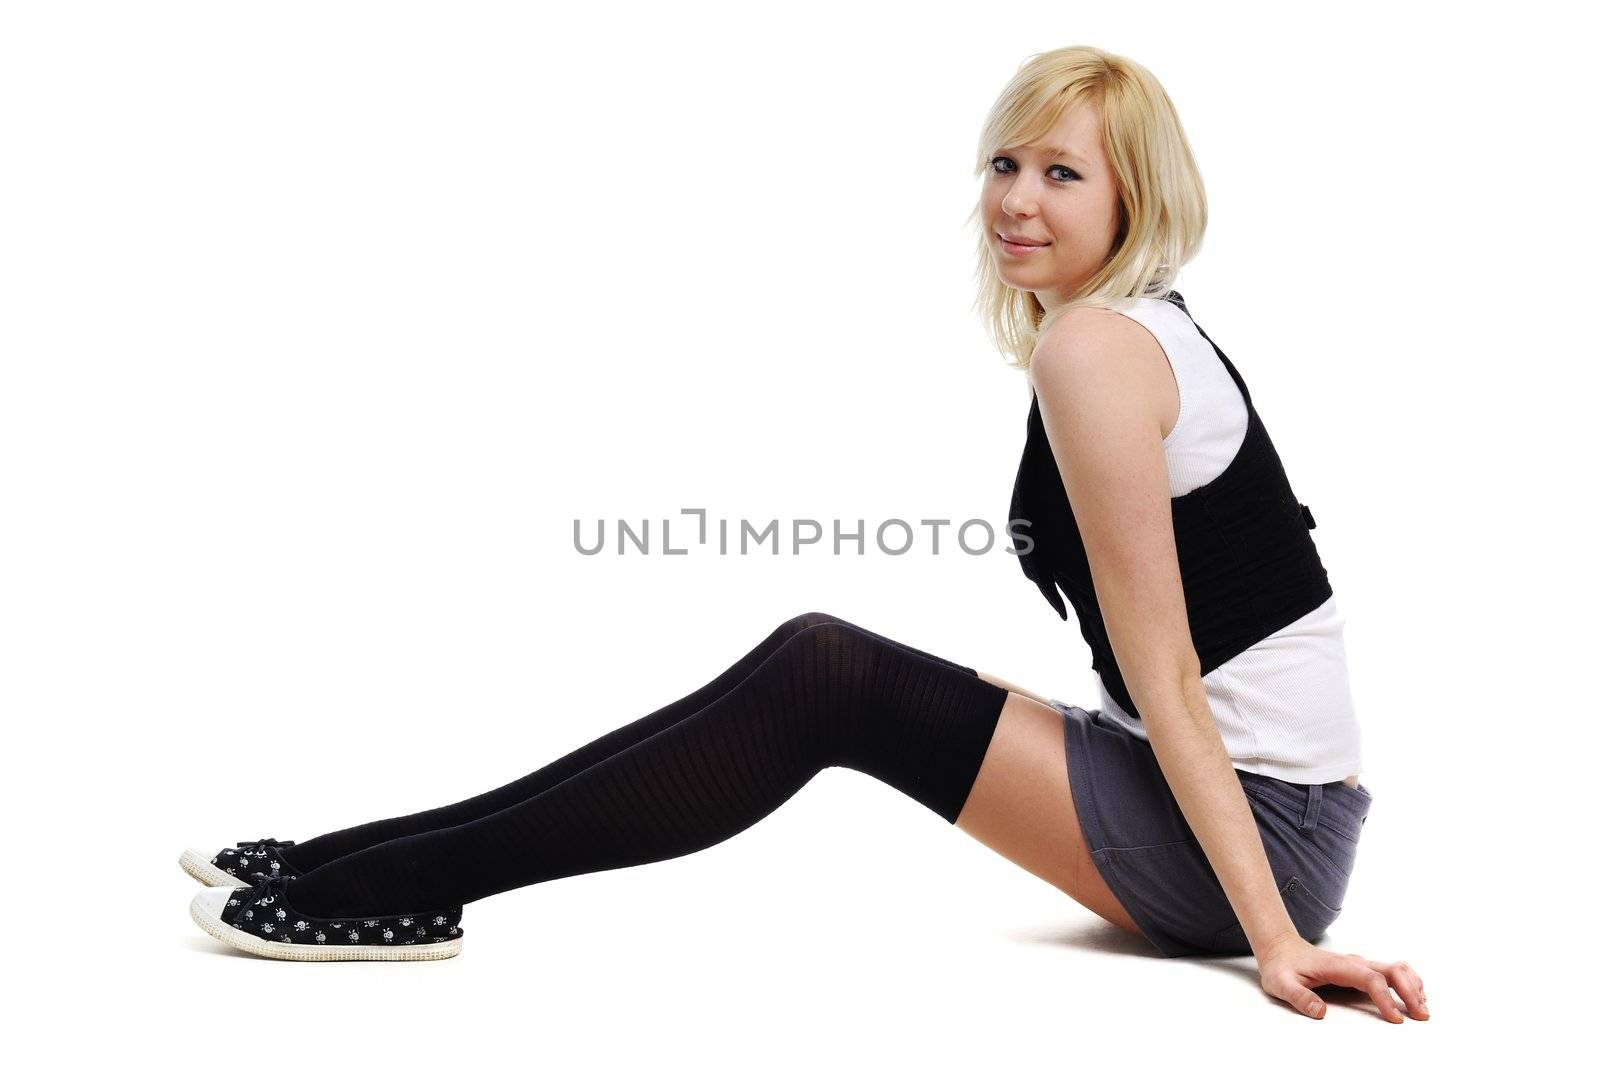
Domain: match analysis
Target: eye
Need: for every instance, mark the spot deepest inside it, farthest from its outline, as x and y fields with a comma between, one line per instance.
x=1068, y=173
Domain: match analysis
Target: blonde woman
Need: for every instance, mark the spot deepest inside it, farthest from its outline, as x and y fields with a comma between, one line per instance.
x=1210, y=805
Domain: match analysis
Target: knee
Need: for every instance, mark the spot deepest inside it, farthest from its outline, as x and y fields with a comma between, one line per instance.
x=837, y=650
x=809, y=620
x=824, y=656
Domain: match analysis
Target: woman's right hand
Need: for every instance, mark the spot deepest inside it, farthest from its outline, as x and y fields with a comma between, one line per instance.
x=1292, y=967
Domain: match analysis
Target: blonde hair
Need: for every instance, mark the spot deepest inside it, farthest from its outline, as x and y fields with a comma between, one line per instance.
x=1162, y=199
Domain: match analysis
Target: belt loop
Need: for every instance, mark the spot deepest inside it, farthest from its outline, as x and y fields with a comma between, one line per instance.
x=1313, y=808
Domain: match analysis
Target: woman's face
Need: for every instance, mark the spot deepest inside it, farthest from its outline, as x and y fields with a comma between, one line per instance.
x=1059, y=195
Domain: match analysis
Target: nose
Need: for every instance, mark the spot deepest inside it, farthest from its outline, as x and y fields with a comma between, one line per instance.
x=1020, y=200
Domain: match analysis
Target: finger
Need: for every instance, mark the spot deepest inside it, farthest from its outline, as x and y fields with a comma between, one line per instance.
x=1405, y=980
x=1306, y=1001
x=1377, y=985
x=1409, y=985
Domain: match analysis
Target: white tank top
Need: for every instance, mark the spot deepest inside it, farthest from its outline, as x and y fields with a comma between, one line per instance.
x=1282, y=705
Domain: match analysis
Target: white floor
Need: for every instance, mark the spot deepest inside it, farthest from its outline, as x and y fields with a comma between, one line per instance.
x=850, y=925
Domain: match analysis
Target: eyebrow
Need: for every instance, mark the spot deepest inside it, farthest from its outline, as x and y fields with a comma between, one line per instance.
x=1063, y=153
x=1053, y=152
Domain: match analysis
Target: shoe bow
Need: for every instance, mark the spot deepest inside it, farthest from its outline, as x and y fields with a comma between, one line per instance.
x=268, y=888
x=262, y=844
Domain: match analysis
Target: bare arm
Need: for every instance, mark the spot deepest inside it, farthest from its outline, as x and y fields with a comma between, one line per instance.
x=1102, y=382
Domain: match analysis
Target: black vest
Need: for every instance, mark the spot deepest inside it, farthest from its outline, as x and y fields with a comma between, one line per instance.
x=1245, y=554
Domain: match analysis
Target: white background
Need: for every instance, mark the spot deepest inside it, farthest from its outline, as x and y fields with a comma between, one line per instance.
x=323, y=321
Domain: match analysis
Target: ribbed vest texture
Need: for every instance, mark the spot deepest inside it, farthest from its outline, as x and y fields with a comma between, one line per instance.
x=1245, y=554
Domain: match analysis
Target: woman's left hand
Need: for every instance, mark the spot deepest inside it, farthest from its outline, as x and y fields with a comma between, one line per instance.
x=1291, y=967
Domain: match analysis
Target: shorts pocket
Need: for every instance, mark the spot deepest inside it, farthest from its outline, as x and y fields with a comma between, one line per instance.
x=1333, y=840
x=1284, y=796
x=1169, y=890
x=1311, y=917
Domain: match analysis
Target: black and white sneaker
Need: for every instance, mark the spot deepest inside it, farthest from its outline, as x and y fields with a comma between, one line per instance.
x=259, y=920
x=240, y=865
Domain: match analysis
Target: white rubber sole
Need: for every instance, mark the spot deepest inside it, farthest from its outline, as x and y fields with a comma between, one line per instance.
x=200, y=867
x=207, y=907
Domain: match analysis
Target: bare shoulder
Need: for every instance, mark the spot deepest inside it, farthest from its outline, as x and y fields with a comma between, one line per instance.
x=1096, y=355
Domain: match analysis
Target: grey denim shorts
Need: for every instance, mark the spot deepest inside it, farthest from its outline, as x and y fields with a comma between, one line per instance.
x=1152, y=862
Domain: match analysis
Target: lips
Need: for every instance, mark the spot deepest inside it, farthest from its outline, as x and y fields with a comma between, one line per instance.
x=1026, y=243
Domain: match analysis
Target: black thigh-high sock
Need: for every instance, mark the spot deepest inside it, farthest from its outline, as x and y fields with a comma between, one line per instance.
x=312, y=853
x=832, y=695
